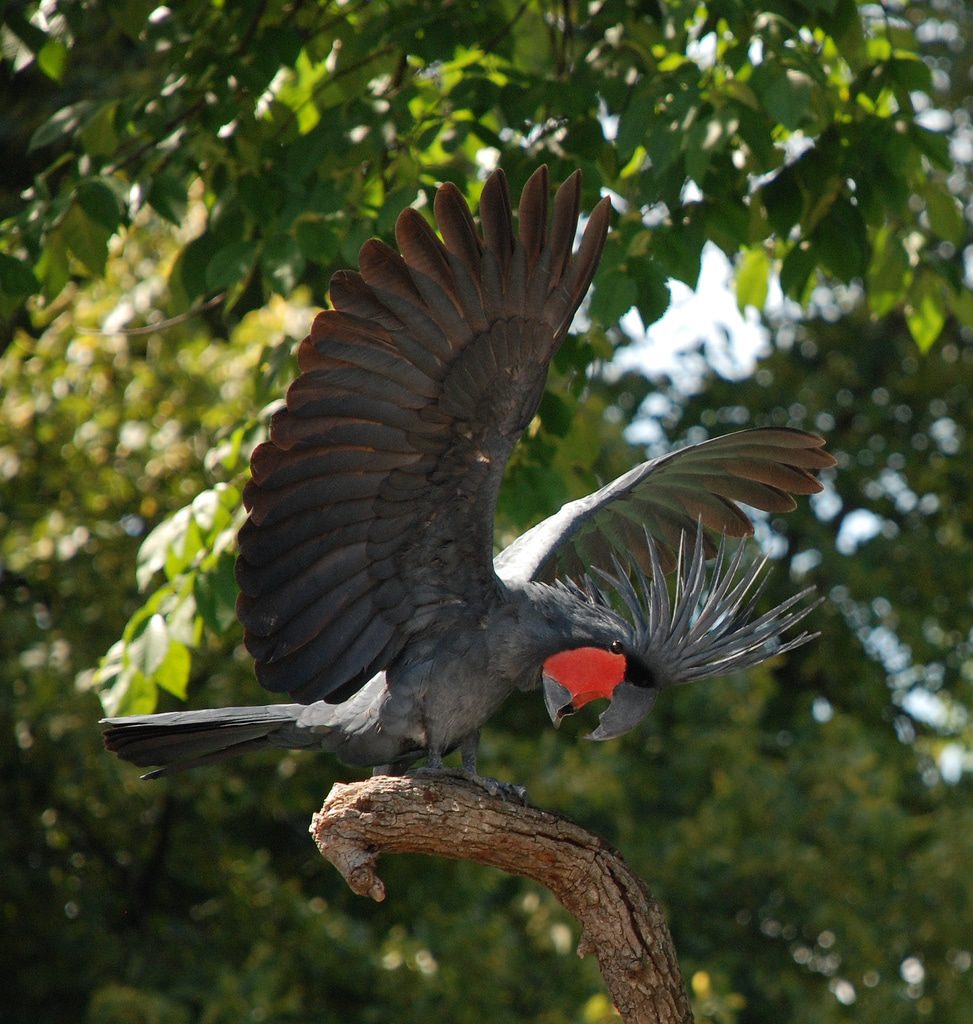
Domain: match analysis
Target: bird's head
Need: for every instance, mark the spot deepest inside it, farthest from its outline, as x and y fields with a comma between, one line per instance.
x=708, y=626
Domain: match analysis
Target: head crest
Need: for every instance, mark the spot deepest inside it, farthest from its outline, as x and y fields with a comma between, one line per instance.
x=709, y=626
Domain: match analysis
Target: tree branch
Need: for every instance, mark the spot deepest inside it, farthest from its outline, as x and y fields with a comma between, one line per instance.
x=423, y=813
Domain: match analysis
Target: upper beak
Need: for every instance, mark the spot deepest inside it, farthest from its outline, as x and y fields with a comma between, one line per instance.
x=630, y=704
x=557, y=700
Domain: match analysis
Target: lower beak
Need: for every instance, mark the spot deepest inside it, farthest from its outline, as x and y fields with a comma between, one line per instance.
x=630, y=704
x=557, y=700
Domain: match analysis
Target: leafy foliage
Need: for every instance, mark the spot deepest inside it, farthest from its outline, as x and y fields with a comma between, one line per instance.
x=788, y=133
x=805, y=826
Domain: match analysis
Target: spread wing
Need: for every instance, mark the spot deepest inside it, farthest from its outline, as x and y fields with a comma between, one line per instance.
x=372, y=504
x=667, y=496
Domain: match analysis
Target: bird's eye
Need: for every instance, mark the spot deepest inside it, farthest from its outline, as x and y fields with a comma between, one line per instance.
x=616, y=647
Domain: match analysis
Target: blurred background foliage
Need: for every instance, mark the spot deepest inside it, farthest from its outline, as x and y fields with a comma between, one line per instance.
x=186, y=179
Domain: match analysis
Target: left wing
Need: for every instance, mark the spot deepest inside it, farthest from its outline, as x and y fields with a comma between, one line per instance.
x=667, y=496
x=371, y=505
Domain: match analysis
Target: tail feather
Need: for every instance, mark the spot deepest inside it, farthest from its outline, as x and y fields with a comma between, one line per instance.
x=179, y=740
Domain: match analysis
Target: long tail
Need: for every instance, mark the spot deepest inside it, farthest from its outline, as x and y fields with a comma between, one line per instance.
x=184, y=739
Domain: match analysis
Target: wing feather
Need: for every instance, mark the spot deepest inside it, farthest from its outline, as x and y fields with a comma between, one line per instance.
x=761, y=467
x=371, y=505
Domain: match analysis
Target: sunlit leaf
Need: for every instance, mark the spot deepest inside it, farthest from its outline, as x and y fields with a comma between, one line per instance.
x=52, y=59
x=925, y=309
x=753, y=279
x=148, y=650
x=155, y=549
x=172, y=673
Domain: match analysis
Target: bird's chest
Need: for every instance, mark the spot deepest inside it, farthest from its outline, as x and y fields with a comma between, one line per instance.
x=452, y=690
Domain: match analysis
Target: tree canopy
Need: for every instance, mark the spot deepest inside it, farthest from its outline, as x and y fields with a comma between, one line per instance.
x=187, y=178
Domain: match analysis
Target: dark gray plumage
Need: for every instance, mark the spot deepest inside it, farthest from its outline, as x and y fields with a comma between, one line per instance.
x=369, y=591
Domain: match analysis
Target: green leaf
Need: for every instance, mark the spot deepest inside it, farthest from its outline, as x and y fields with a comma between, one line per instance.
x=784, y=92
x=282, y=262
x=169, y=535
x=613, y=297
x=702, y=140
x=131, y=15
x=148, y=650
x=98, y=136
x=53, y=266
x=911, y=72
x=187, y=278
x=167, y=196
x=172, y=673
x=889, y=273
x=317, y=238
x=944, y=212
x=783, y=201
x=230, y=265
x=16, y=278
x=925, y=309
x=555, y=414
x=214, y=508
x=260, y=196
x=86, y=238
x=99, y=202
x=935, y=145
x=181, y=555
x=131, y=692
x=61, y=125
x=215, y=590
x=963, y=306
x=652, y=288
x=679, y=248
x=752, y=279
x=635, y=120
x=840, y=240
x=796, y=270
x=52, y=59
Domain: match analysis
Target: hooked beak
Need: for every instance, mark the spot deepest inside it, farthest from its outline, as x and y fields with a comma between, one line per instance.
x=629, y=705
x=557, y=700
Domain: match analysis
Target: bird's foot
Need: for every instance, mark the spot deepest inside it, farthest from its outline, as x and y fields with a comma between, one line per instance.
x=494, y=787
x=505, y=790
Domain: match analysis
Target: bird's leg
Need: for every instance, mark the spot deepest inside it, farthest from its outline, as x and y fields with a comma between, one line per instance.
x=434, y=760
x=468, y=749
x=508, y=790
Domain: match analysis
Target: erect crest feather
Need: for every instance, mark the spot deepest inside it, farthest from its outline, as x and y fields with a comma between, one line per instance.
x=709, y=625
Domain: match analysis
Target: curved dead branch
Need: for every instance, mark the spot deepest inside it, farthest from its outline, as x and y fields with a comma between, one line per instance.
x=621, y=924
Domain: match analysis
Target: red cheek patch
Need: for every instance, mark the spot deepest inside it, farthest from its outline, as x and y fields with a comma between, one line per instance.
x=587, y=673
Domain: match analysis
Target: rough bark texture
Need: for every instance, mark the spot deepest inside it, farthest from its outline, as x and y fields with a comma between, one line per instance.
x=621, y=923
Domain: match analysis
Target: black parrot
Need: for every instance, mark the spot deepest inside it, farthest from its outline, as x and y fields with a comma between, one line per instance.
x=369, y=588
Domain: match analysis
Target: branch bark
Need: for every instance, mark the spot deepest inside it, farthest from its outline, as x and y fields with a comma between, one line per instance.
x=448, y=817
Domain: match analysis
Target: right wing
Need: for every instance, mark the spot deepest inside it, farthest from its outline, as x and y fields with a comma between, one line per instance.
x=666, y=497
